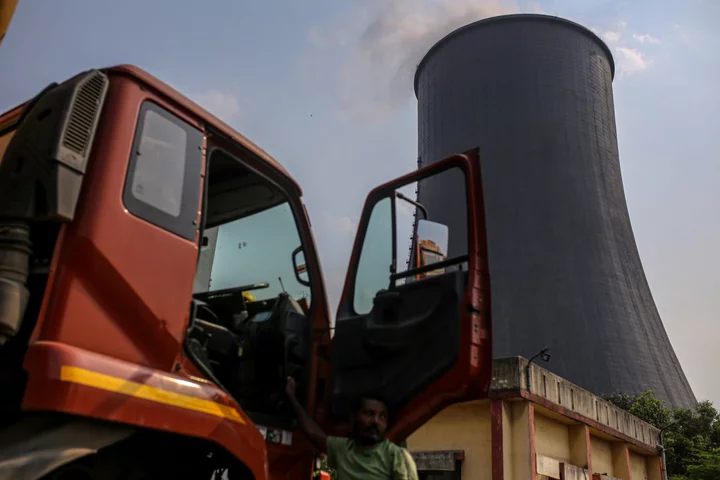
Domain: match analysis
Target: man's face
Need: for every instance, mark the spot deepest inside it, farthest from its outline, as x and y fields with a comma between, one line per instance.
x=370, y=421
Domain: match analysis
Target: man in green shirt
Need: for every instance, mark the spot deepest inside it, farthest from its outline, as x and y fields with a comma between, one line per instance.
x=367, y=454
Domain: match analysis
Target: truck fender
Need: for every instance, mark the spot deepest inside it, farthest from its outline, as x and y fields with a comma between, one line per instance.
x=33, y=447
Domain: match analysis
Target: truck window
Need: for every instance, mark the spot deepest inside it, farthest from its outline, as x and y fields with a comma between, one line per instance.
x=391, y=245
x=160, y=165
x=161, y=186
x=373, y=271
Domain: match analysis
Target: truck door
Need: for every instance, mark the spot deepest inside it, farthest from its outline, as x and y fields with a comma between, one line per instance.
x=415, y=331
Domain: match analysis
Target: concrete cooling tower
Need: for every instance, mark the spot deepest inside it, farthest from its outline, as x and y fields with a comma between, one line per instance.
x=534, y=93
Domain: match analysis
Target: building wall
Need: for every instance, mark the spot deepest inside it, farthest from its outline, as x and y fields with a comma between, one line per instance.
x=638, y=467
x=602, y=457
x=464, y=427
x=520, y=432
x=552, y=439
x=522, y=438
x=507, y=440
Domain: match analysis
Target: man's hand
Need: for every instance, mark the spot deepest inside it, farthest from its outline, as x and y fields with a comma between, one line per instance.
x=290, y=387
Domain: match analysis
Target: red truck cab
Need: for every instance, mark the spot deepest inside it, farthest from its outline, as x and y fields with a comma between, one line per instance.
x=159, y=282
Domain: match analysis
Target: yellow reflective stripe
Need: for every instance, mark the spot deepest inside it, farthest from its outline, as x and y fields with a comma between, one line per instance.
x=146, y=392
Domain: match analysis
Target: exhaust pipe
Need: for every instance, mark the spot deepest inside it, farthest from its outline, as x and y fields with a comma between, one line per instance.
x=14, y=269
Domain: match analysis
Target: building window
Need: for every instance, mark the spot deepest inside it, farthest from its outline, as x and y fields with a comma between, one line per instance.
x=439, y=465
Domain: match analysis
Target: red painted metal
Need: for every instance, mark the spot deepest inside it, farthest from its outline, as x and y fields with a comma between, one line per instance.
x=46, y=392
x=533, y=458
x=106, y=295
x=496, y=438
x=471, y=375
x=588, y=448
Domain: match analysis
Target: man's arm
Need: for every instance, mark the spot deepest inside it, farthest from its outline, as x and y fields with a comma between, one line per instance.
x=306, y=423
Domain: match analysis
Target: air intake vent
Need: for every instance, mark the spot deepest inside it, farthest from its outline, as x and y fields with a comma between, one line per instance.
x=42, y=170
x=84, y=112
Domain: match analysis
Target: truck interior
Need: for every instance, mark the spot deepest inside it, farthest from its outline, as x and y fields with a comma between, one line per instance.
x=252, y=293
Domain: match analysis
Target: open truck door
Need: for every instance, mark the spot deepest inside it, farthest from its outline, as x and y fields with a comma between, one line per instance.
x=420, y=342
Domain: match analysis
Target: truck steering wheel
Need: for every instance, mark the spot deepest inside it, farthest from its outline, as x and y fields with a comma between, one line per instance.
x=229, y=292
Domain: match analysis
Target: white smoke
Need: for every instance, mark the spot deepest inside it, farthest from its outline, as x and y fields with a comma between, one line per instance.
x=378, y=79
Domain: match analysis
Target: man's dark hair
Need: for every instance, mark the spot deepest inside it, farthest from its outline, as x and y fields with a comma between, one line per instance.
x=358, y=402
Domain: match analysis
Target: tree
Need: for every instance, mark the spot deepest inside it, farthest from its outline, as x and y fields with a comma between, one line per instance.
x=707, y=467
x=692, y=437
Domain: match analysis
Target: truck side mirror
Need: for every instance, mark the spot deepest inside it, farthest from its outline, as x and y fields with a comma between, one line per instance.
x=301, y=273
x=431, y=244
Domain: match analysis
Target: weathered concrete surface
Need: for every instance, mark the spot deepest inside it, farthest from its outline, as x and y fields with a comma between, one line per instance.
x=509, y=374
x=571, y=472
x=547, y=466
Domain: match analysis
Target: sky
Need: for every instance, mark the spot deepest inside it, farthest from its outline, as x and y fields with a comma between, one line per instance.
x=325, y=86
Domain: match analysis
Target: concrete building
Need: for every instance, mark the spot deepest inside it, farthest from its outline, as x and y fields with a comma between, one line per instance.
x=553, y=430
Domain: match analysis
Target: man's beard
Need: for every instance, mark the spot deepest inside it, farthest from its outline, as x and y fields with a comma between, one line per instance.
x=369, y=436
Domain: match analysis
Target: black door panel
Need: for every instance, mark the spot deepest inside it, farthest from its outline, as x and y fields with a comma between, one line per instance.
x=409, y=339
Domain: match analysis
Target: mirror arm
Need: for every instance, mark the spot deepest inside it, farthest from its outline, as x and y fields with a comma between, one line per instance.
x=419, y=205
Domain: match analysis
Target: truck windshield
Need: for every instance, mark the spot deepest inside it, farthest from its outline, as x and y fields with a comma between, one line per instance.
x=250, y=235
x=251, y=250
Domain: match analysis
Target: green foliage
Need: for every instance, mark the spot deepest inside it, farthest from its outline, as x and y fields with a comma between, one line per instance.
x=691, y=439
x=644, y=406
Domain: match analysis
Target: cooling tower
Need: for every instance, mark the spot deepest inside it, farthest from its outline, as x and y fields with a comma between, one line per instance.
x=534, y=93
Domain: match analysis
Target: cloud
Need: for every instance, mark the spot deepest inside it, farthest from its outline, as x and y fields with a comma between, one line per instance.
x=316, y=38
x=342, y=224
x=611, y=37
x=646, y=38
x=630, y=61
x=682, y=35
x=221, y=104
x=334, y=234
x=377, y=79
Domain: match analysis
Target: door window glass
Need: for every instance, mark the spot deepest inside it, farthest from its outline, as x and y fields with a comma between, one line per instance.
x=414, y=227
x=163, y=182
x=160, y=165
x=376, y=258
